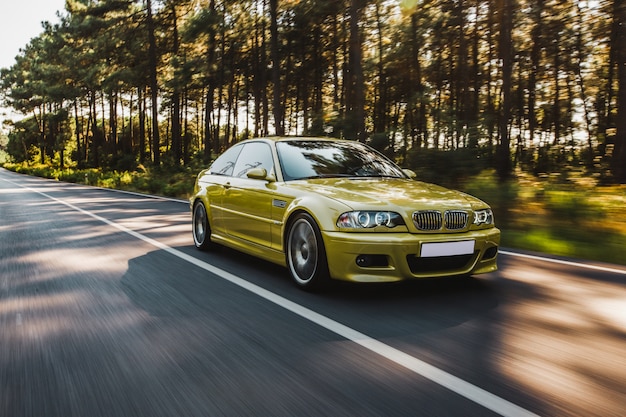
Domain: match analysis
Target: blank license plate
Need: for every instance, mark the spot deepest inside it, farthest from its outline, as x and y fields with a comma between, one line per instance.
x=430, y=250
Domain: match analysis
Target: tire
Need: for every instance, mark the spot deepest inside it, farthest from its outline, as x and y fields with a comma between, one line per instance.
x=200, y=227
x=306, y=256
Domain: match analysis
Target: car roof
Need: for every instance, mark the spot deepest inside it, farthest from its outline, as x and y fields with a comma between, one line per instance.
x=299, y=138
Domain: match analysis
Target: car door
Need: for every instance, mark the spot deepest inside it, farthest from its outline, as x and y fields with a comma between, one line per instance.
x=247, y=202
x=221, y=172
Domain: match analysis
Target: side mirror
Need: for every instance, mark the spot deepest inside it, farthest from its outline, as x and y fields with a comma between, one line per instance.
x=259, y=174
x=409, y=173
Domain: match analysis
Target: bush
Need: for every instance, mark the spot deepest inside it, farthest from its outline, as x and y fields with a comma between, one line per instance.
x=570, y=206
x=501, y=196
x=448, y=168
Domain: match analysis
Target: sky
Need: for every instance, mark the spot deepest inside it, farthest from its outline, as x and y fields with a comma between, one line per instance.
x=20, y=21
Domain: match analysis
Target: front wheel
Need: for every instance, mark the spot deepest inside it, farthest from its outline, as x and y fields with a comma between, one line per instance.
x=306, y=256
x=200, y=227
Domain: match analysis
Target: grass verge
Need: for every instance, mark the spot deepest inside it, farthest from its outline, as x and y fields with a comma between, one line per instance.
x=169, y=183
x=566, y=216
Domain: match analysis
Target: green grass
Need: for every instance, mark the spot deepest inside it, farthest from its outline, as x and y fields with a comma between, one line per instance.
x=568, y=216
x=583, y=244
x=571, y=217
x=169, y=183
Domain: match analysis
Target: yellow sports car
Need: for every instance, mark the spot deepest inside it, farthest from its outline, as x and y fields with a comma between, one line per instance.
x=337, y=209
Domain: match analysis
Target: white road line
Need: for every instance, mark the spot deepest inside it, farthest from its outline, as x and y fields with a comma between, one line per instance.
x=562, y=262
x=155, y=197
x=459, y=386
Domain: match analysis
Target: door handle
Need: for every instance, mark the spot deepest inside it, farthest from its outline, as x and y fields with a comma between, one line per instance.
x=227, y=185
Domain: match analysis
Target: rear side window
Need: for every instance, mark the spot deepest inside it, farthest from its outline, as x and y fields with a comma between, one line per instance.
x=225, y=163
x=254, y=155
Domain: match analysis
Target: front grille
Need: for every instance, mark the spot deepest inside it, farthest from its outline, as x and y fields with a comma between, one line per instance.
x=456, y=219
x=427, y=220
x=430, y=220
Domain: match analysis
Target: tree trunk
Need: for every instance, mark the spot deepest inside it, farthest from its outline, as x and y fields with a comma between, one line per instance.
x=556, y=109
x=505, y=9
x=77, y=131
x=176, y=115
x=356, y=102
x=275, y=56
x=154, y=88
x=474, y=104
x=380, y=105
x=141, y=109
x=619, y=153
x=210, y=93
x=535, y=54
x=581, y=56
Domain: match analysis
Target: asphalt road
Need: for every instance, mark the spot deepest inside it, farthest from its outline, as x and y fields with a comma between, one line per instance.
x=107, y=309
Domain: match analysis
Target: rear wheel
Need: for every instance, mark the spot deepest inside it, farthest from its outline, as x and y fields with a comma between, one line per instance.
x=306, y=256
x=200, y=227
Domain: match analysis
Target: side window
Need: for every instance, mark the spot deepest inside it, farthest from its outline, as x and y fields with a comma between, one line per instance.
x=254, y=155
x=225, y=163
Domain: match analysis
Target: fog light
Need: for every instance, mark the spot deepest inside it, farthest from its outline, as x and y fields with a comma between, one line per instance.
x=491, y=252
x=363, y=261
x=372, y=261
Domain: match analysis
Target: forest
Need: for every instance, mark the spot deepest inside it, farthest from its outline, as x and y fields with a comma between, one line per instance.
x=533, y=86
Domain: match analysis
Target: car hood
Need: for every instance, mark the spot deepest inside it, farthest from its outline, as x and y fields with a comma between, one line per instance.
x=389, y=193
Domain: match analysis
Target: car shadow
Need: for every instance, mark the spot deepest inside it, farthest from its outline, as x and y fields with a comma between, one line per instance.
x=156, y=285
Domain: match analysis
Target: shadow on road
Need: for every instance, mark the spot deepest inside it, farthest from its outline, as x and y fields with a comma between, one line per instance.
x=154, y=284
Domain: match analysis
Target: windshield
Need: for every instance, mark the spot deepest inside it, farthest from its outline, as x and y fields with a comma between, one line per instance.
x=300, y=159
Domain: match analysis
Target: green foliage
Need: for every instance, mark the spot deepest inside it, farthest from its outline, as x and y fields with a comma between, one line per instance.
x=569, y=216
x=23, y=141
x=502, y=196
x=570, y=206
x=425, y=77
x=448, y=168
x=607, y=246
x=159, y=182
x=4, y=156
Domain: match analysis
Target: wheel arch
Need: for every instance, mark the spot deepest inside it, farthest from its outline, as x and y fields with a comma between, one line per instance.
x=205, y=243
x=201, y=198
x=310, y=206
x=291, y=217
x=323, y=276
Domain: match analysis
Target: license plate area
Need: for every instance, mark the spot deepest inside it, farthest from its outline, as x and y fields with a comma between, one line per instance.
x=436, y=249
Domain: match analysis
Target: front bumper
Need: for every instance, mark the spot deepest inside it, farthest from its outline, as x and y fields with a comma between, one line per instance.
x=388, y=257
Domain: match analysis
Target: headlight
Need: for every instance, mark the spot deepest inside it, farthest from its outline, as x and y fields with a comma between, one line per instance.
x=369, y=219
x=484, y=216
